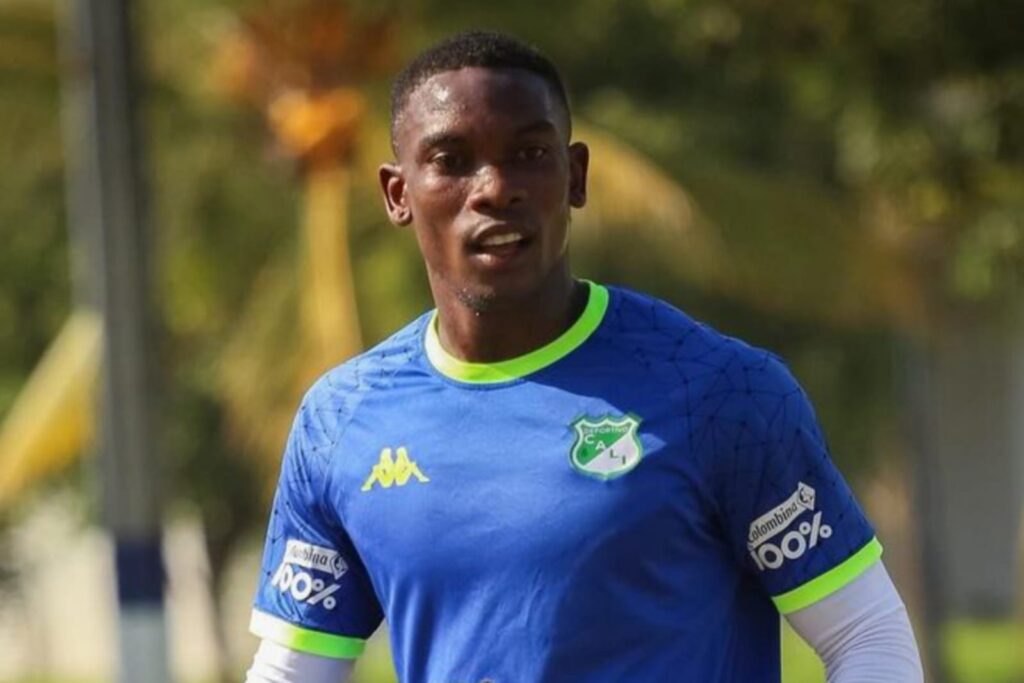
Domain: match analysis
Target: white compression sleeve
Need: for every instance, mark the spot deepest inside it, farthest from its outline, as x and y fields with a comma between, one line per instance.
x=862, y=632
x=275, y=663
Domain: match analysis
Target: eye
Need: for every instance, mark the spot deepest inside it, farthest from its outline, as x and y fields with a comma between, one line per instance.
x=448, y=162
x=533, y=153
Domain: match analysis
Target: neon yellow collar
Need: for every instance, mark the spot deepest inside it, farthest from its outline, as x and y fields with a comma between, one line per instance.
x=514, y=368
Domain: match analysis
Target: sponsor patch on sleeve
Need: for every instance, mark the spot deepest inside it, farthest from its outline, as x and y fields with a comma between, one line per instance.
x=771, y=540
x=308, y=586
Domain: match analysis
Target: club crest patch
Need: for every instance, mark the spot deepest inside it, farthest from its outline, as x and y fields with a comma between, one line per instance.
x=607, y=446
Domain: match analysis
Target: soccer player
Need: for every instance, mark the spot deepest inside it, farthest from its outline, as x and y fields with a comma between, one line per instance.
x=548, y=479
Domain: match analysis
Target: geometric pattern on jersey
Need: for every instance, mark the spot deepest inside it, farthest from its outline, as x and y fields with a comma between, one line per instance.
x=443, y=496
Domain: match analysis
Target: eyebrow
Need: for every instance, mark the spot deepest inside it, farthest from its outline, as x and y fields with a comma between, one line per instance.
x=438, y=139
x=539, y=126
x=442, y=138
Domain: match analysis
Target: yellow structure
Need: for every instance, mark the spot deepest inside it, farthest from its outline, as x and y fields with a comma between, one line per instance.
x=51, y=422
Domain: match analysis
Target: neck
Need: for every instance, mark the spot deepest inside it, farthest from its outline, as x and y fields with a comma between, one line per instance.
x=510, y=328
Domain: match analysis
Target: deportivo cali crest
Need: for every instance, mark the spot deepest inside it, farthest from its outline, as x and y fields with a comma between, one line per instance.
x=607, y=446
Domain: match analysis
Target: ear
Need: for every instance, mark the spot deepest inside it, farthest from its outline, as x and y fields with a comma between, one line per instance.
x=579, y=161
x=392, y=186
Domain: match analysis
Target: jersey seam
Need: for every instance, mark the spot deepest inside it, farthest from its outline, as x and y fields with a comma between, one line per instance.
x=706, y=488
x=333, y=514
x=411, y=351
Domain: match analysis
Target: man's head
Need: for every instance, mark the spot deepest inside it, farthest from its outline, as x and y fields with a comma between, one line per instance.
x=484, y=169
x=474, y=49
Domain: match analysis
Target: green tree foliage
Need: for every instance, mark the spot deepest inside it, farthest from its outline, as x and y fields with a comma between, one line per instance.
x=34, y=272
x=913, y=110
x=802, y=130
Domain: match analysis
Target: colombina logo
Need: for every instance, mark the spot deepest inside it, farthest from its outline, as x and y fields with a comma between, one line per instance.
x=314, y=557
x=305, y=586
x=777, y=520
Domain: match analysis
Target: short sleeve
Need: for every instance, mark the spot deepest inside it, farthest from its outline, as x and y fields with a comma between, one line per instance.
x=314, y=594
x=789, y=516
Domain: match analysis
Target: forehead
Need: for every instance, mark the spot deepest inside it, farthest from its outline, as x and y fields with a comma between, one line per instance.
x=478, y=100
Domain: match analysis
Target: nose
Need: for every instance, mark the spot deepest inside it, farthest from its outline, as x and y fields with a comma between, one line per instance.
x=495, y=187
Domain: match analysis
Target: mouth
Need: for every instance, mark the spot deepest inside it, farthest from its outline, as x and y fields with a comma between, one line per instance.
x=499, y=245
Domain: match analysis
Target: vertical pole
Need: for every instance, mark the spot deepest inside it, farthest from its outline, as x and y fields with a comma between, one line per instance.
x=917, y=393
x=108, y=219
x=967, y=396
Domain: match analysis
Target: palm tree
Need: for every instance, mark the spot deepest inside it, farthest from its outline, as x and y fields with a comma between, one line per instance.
x=303, y=66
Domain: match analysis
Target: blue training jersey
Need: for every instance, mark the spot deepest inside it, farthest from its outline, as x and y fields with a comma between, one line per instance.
x=636, y=501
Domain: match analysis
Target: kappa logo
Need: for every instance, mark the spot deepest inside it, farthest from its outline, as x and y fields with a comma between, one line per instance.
x=793, y=544
x=390, y=472
x=606, y=447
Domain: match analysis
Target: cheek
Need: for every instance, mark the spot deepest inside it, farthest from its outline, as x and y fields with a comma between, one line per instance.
x=437, y=200
x=552, y=200
x=436, y=204
x=551, y=187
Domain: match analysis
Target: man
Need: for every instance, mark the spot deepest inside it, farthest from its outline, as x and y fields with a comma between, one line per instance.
x=547, y=479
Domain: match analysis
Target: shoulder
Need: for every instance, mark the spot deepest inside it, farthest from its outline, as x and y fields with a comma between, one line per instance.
x=712, y=373
x=375, y=368
x=667, y=334
x=333, y=399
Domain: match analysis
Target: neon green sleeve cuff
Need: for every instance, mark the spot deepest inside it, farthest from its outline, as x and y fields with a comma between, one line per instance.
x=305, y=640
x=831, y=581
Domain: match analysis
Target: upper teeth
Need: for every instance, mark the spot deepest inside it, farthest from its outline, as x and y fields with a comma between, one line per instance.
x=501, y=239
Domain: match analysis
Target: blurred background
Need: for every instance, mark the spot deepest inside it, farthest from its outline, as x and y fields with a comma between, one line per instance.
x=189, y=218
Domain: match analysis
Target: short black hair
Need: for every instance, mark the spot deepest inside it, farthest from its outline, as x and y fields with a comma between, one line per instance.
x=484, y=49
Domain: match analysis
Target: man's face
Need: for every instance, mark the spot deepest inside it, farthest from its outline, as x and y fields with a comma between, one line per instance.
x=487, y=177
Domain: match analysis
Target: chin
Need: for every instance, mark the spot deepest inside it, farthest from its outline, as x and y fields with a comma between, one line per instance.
x=485, y=297
x=476, y=299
